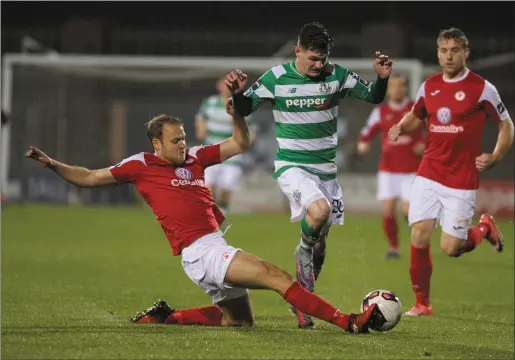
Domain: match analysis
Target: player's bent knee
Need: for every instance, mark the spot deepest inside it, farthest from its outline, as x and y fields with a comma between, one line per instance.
x=451, y=250
x=451, y=245
x=319, y=211
x=421, y=233
x=389, y=208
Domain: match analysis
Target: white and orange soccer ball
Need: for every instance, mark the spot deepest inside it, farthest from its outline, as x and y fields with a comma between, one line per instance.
x=389, y=305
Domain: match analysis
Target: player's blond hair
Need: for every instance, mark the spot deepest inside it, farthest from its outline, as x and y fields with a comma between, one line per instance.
x=155, y=125
x=453, y=33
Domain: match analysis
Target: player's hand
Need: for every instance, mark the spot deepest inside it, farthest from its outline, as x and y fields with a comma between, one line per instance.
x=394, y=132
x=485, y=162
x=383, y=65
x=363, y=147
x=236, y=81
x=38, y=155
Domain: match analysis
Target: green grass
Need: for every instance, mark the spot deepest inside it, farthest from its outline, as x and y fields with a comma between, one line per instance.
x=73, y=277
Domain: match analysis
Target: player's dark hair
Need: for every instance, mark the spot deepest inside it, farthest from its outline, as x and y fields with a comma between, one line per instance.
x=155, y=125
x=314, y=36
x=453, y=33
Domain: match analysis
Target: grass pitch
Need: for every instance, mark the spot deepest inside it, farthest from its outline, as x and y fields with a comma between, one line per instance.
x=73, y=277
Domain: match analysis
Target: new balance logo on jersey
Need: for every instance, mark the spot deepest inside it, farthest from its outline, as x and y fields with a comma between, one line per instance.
x=292, y=90
x=301, y=103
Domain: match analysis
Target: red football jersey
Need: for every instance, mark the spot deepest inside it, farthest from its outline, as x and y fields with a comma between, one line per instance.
x=396, y=157
x=177, y=195
x=455, y=111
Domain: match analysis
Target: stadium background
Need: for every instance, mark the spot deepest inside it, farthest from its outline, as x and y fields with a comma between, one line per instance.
x=95, y=118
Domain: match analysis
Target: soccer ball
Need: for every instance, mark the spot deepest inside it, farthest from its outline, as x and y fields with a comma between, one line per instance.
x=390, y=307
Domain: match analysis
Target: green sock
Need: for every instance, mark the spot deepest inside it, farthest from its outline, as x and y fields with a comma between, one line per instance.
x=308, y=230
x=309, y=236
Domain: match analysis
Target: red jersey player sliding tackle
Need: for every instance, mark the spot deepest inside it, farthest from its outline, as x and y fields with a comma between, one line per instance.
x=399, y=160
x=455, y=105
x=172, y=182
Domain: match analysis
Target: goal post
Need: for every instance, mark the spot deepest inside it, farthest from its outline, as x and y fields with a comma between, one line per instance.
x=77, y=107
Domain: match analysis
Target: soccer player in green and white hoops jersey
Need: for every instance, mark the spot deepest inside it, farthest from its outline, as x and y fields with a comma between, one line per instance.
x=214, y=125
x=305, y=94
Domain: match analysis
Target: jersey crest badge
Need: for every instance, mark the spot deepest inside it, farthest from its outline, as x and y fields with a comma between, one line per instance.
x=324, y=88
x=460, y=95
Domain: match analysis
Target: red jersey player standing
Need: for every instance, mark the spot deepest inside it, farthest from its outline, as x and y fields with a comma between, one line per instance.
x=399, y=160
x=455, y=105
x=171, y=180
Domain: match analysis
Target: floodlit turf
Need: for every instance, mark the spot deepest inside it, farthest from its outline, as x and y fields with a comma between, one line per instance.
x=73, y=277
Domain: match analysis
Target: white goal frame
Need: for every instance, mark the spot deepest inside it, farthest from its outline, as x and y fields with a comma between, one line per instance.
x=100, y=64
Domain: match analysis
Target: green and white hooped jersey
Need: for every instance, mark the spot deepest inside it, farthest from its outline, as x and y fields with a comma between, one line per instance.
x=219, y=124
x=305, y=113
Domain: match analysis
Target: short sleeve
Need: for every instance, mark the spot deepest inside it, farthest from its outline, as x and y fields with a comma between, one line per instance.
x=263, y=89
x=129, y=169
x=355, y=86
x=372, y=126
x=207, y=155
x=493, y=105
x=419, y=108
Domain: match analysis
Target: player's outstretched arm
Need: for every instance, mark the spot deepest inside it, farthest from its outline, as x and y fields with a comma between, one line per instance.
x=240, y=140
x=373, y=92
x=247, y=102
x=76, y=175
x=235, y=82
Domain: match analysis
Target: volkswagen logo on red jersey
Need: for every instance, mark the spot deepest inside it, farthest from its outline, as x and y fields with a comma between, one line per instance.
x=444, y=115
x=183, y=173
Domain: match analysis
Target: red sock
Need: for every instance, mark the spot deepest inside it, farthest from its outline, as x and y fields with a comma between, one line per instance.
x=314, y=305
x=391, y=231
x=207, y=315
x=475, y=234
x=421, y=268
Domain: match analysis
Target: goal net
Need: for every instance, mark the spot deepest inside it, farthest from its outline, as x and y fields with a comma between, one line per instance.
x=90, y=111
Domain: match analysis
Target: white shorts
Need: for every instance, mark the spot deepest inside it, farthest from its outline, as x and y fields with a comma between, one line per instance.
x=303, y=188
x=206, y=262
x=394, y=185
x=452, y=208
x=224, y=176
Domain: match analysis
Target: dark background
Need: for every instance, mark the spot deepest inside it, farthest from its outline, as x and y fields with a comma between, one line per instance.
x=114, y=27
x=67, y=114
